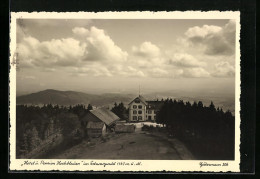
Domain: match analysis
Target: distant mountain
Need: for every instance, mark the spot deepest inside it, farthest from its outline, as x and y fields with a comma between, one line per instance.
x=225, y=101
x=51, y=96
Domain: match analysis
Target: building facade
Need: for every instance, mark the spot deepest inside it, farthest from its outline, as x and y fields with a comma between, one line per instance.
x=96, y=129
x=142, y=110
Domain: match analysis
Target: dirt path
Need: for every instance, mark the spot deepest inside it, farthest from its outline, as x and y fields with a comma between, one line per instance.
x=138, y=145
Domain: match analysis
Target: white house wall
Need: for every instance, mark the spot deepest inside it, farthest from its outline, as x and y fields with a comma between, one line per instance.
x=152, y=114
x=144, y=110
x=137, y=109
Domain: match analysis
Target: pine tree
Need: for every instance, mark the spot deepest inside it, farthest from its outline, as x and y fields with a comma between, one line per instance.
x=212, y=106
x=120, y=110
x=200, y=104
x=195, y=104
x=89, y=107
x=25, y=143
x=34, y=138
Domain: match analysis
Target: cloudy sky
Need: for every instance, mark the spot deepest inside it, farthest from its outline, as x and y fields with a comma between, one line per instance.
x=99, y=56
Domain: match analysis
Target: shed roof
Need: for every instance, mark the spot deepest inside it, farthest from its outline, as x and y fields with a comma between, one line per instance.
x=95, y=125
x=105, y=115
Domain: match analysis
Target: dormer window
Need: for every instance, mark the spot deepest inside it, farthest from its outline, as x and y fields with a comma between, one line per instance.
x=137, y=101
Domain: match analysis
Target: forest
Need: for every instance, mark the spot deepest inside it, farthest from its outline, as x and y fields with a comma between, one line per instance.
x=207, y=131
x=35, y=125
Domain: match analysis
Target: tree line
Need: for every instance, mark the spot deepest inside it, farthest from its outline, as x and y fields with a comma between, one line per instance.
x=120, y=110
x=206, y=130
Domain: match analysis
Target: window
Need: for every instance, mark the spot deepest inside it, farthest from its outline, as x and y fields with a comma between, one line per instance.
x=134, y=112
x=140, y=106
x=139, y=117
x=134, y=118
x=139, y=112
x=137, y=101
x=154, y=117
x=134, y=106
x=149, y=111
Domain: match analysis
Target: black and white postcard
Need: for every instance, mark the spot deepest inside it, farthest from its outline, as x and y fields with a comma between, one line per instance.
x=125, y=91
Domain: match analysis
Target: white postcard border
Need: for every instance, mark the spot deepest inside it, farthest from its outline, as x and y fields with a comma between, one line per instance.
x=122, y=165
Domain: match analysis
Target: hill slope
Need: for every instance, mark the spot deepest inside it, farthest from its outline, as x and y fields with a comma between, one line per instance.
x=71, y=98
x=66, y=98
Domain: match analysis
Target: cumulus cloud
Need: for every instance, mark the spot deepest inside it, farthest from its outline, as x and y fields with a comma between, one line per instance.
x=91, y=52
x=100, y=47
x=148, y=62
x=198, y=33
x=146, y=49
x=186, y=60
x=80, y=31
x=94, y=45
x=147, y=55
x=63, y=52
x=223, y=69
x=214, y=39
x=155, y=63
x=195, y=73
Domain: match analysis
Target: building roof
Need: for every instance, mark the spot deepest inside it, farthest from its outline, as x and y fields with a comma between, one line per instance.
x=105, y=115
x=150, y=104
x=95, y=125
x=141, y=98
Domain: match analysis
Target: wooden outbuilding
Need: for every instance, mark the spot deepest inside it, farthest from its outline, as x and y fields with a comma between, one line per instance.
x=99, y=121
x=96, y=129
